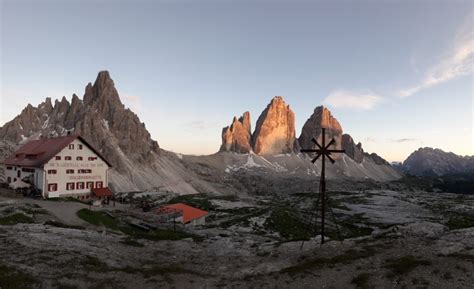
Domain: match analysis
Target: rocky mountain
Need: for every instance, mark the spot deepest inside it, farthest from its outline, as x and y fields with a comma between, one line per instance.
x=320, y=118
x=237, y=136
x=354, y=151
x=101, y=118
x=435, y=162
x=275, y=129
x=275, y=150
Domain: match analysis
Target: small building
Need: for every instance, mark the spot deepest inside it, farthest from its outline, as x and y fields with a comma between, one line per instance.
x=64, y=166
x=187, y=215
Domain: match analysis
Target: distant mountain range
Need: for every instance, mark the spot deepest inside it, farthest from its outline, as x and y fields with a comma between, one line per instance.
x=435, y=162
x=140, y=164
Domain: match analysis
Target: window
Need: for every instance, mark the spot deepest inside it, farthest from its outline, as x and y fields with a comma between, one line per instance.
x=98, y=184
x=71, y=146
x=52, y=187
x=84, y=171
x=28, y=170
x=69, y=171
x=80, y=147
x=92, y=158
x=52, y=172
x=9, y=168
x=68, y=158
x=9, y=180
x=14, y=179
x=19, y=174
x=69, y=186
x=79, y=159
x=80, y=185
x=90, y=185
x=58, y=158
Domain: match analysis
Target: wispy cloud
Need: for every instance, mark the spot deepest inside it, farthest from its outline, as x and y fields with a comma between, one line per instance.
x=400, y=140
x=352, y=99
x=370, y=139
x=132, y=101
x=458, y=61
x=198, y=125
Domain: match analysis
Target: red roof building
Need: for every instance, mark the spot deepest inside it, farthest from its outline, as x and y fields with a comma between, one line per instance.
x=190, y=215
x=66, y=166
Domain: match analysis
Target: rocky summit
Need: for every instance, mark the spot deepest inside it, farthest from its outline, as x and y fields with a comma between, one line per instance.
x=275, y=129
x=237, y=136
x=354, y=151
x=312, y=128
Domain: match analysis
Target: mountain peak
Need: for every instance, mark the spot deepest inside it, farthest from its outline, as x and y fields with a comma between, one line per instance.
x=236, y=137
x=103, y=90
x=275, y=129
x=321, y=118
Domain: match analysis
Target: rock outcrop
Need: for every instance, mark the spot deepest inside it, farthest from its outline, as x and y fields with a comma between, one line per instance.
x=320, y=118
x=354, y=151
x=275, y=129
x=237, y=136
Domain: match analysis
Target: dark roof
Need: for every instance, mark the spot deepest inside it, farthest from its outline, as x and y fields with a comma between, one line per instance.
x=102, y=192
x=38, y=152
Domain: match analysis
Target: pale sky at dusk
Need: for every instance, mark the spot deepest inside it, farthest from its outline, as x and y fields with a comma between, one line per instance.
x=398, y=75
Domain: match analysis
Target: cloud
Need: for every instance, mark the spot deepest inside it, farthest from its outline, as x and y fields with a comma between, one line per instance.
x=198, y=125
x=457, y=62
x=400, y=140
x=132, y=101
x=369, y=139
x=352, y=99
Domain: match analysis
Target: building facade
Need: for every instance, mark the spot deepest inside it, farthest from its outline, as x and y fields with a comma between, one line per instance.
x=59, y=167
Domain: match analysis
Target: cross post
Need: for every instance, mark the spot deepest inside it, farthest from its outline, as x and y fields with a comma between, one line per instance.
x=324, y=151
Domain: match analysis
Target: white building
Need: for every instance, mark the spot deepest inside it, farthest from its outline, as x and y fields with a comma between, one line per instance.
x=60, y=167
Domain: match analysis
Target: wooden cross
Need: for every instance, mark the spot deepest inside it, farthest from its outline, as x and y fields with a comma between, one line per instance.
x=324, y=151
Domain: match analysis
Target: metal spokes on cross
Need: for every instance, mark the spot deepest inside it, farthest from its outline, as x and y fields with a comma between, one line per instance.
x=324, y=151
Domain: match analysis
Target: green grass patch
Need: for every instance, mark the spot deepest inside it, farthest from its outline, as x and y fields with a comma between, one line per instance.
x=15, y=219
x=100, y=218
x=91, y=263
x=347, y=258
x=404, y=265
x=287, y=225
x=200, y=201
x=62, y=225
x=461, y=256
x=361, y=281
x=460, y=222
x=10, y=278
x=243, y=220
x=132, y=242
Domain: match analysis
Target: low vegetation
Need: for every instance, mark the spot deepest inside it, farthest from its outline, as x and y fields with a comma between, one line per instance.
x=15, y=219
x=100, y=218
x=10, y=278
x=361, y=281
x=404, y=265
x=460, y=222
x=347, y=258
x=62, y=225
x=287, y=225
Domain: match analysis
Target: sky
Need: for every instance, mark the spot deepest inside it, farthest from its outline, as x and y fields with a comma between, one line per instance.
x=398, y=75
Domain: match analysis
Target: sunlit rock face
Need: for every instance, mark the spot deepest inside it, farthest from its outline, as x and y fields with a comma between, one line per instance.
x=275, y=129
x=237, y=136
x=312, y=128
x=354, y=151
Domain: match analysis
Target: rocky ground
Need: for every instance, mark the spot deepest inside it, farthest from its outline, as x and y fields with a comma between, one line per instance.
x=392, y=239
